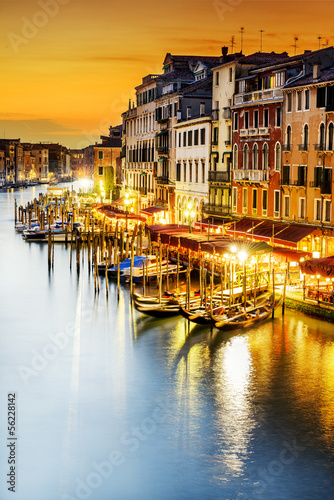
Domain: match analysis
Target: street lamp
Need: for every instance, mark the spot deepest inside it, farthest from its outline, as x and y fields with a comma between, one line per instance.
x=189, y=214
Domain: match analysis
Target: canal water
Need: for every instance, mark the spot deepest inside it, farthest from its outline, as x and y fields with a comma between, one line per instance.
x=112, y=405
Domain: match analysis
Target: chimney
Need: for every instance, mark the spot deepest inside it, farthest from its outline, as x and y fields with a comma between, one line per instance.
x=316, y=70
x=224, y=51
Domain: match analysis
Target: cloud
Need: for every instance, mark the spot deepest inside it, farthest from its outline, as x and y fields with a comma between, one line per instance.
x=40, y=126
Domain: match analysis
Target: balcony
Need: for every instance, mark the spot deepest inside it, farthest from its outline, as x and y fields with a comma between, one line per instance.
x=163, y=179
x=216, y=176
x=162, y=150
x=325, y=188
x=286, y=181
x=228, y=142
x=251, y=175
x=215, y=114
x=303, y=147
x=253, y=131
x=227, y=114
x=320, y=147
x=286, y=147
x=244, y=132
x=264, y=131
x=259, y=95
x=216, y=209
x=214, y=142
x=143, y=191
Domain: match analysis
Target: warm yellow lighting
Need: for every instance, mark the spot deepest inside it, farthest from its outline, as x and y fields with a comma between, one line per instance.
x=316, y=255
x=318, y=276
x=233, y=249
x=189, y=205
x=192, y=214
x=186, y=213
x=242, y=256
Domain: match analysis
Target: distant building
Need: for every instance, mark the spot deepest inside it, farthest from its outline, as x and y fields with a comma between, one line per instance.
x=77, y=162
x=106, y=161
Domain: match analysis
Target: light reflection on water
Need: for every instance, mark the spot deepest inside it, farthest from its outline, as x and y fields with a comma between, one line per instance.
x=233, y=405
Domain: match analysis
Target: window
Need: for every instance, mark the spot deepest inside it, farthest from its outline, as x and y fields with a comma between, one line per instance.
x=322, y=137
x=254, y=202
x=202, y=107
x=301, y=175
x=188, y=112
x=321, y=97
x=190, y=171
x=245, y=157
x=100, y=170
x=184, y=139
x=180, y=140
x=278, y=157
x=317, y=209
x=286, y=175
x=235, y=121
x=266, y=117
x=265, y=156
x=196, y=137
x=203, y=172
x=286, y=206
x=217, y=78
x=330, y=137
x=178, y=171
x=196, y=172
x=230, y=75
x=289, y=103
x=100, y=155
x=255, y=165
x=234, y=198
x=302, y=208
x=307, y=99
x=246, y=121
x=264, y=202
x=278, y=117
x=299, y=101
x=215, y=136
x=305, y=138
x=327, y=211
x=288, y=138
x=244, y=200
x=184, y=171
x=175, y=108
x=235, y=156
x=190, y=138
x=256, y=119
x=202, y=136
x=276, y=203
x=317, y=176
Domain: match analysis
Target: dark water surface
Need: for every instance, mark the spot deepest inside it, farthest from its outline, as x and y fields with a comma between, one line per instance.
x=111, y=405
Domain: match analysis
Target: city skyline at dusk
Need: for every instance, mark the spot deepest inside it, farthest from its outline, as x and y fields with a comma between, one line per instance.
x=70, y=66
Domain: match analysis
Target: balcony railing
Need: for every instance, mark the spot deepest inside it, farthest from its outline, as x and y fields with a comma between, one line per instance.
x=246, y=132
x=259, y=95
x=286, y=147
x=143, y=191
x=228, y=142
x=162, y=150
x=216, y=209
x=215, y=114
x=216, y=176
x=286, y=181
x=214, y=142
x=319, y=147
x=303, y=147
x=251, y=175
x=227, y=114
x=163, y=179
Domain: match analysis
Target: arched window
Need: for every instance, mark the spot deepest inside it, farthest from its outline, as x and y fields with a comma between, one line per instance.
x=305, y=138
x=265, y=156
x=330, y=137
x=255, y=165
x=288, y=138
x=245, y=159
x=278, y=156
x=322, y=137
x=235, y=156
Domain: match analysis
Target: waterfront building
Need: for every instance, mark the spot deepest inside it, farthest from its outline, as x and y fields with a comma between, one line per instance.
x=192, y=152
x=105, y=159
x=29, y=165
x=12, y=152
x=308, y=125
x=77, y=162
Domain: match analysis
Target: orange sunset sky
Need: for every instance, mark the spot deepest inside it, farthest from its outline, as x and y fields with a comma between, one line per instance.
x=69, y=67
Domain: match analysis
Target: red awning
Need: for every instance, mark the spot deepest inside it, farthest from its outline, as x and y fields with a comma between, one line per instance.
x=323, y=267
x=274, y=232
x=120, y=201
x=153, y=210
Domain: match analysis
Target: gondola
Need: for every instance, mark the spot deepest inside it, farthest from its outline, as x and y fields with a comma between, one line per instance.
x=247, y=318
x=199, y=314
x=158, y=310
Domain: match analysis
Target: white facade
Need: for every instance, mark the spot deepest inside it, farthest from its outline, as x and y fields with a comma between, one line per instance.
x=193, y=147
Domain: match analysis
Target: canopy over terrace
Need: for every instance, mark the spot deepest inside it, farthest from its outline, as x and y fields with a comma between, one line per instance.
x=113, y=213
x=278, y=233
x=323, y=267
x=196, y=241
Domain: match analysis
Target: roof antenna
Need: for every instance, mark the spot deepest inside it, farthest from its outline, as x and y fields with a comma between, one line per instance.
x=261, y=31
x=242, y=30
x=232, y=44
x=319, y=38
x=296, y=40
